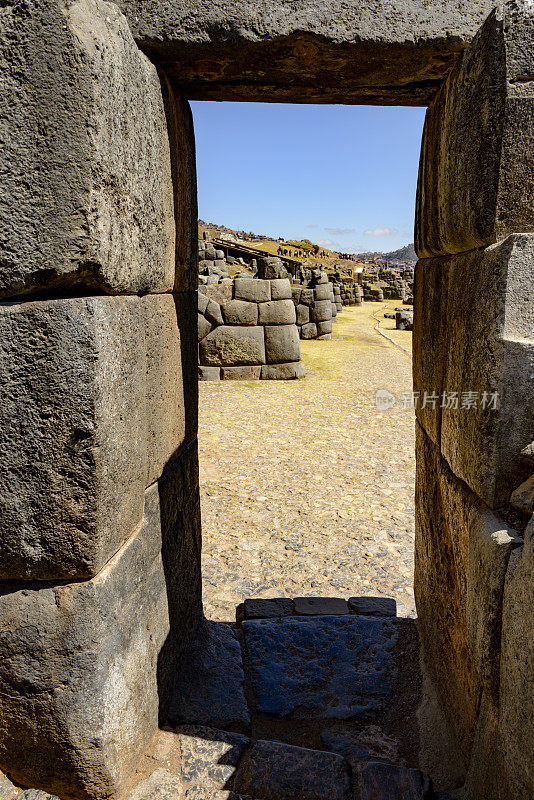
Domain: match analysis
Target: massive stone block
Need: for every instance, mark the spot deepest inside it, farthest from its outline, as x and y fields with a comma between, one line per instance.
x=184, y=186
x=86, y=668
x=229, y=346
x=282, y=343
x=323, y=52
x=165, y=405
x=73, y=434
x=277, y=312
x=86, y=194
x=253, y=290
x=517, y=667
x=490, y=352
x=240, y=312
x=78, y=672
x=430, y=342
x=477, y=162
x=490, y=543
x=441, y=553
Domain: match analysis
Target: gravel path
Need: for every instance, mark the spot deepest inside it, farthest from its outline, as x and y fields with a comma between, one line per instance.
x=307, y=489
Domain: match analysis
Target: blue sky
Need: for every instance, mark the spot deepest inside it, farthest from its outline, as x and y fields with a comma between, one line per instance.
x=343, y=176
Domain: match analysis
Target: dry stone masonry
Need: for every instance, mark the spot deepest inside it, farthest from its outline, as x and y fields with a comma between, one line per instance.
x=247, y=331
x=100, y=585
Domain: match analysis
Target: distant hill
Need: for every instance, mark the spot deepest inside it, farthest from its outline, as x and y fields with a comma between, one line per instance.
x=406, y=253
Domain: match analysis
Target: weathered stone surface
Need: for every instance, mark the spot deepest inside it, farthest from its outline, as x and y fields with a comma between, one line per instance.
x=161, y=785
x=442, y=506
x=277, y=312
x=241, y=373
x=255, y=608
x=430, y=342
x=490, y=349
x=332, y=666
x=184, y=183
x=373, y=606
x=277, y=771
x=209, y=757
x=240, y=312
x=281, y=289
x=165, y=407
x=282, y=343
x=324, y=328
x=324, y=291
x=271, y=268
x=229, y=346
x=94, y=214
x=283, y=372
x=78, y=665
x=73, y=432
x=490, y=543
x=213, y=313
x=186, y=312
x=209, y=373
x=202, y=302
x=276, y=64
x=306, y=297
x=313, y=606
x=523, y=497
x=252, y=289
x=477, y=167
x=204, y=327
x=178, y=513
x=366, y=744
x=309, y=331
x=220, y=293
x=7, y=789
x=517, y=668
x=303, y=314
x=321, y=311
x=209, y=689
x=389, y=782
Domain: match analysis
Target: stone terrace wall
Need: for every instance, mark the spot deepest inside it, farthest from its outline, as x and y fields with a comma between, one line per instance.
x=315, y=309
x=474, y=333
x=247, y=331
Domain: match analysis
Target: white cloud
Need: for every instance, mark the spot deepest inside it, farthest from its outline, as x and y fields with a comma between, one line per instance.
x=324, y=242
x=380, y=232
x=340, y=231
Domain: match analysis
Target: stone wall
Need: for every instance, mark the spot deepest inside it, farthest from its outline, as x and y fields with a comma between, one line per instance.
x=315, y=309
x=474, y=336
x=100, y=588
x=247, y=331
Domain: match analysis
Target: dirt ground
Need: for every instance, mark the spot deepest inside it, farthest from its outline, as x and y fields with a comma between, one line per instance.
x=307, y=488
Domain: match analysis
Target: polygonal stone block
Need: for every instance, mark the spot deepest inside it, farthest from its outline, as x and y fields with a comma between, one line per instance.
x=281, y=289
x=303, y=314
x=430, y=342
x=98, y=211
x=209, y=373
x=277, y=312
x=308, y=331
x=249, y=373
x=204, y=327
x=282, y=343
x=490, y=543
x=89, y=652
x=299, y=773
x=321, y=311
x=165, y=405
x=252, y=289
x=240, y=312
x=283, y=372
x=442, y=505
x=516, y=698
x=229, y=346
x=73, y=433
x=477, y=164
x=490, y=365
